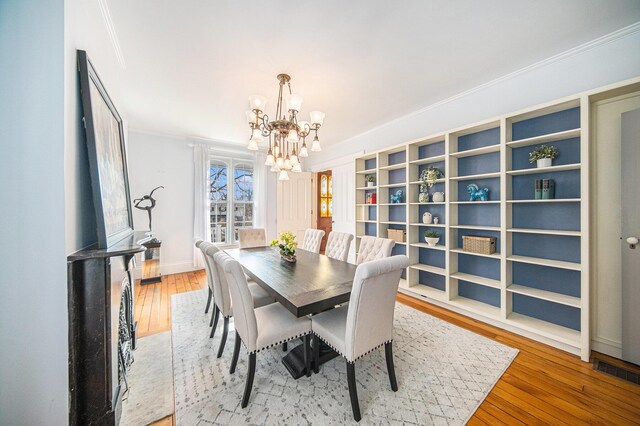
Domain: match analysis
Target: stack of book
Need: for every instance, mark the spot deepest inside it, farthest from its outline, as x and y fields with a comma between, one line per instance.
x=544, y=189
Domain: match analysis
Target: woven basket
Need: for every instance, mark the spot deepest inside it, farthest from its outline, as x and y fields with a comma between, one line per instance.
x=481, y=245
x=397, y=235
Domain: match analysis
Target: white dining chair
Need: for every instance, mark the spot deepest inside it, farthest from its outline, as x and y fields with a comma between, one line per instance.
x=259, y=328
x=252, y=237
x=372, y=248
x=366, y=323
x=338, y=244
x=312, y=240
x=222, y=299
x=202, y=246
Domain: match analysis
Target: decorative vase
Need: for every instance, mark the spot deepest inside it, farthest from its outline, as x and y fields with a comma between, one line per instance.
x=432, y=241
x=436, y=220
x=290, y=259
x=544, y=162
x=426, y=217
x=371, y=183
x=423, y=197
x=438, y=197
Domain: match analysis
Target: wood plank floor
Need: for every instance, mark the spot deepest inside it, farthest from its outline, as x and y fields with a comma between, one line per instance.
x=543, y=385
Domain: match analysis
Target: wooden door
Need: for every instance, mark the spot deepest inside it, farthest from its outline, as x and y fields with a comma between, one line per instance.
x=295, y=209
x=325, y=205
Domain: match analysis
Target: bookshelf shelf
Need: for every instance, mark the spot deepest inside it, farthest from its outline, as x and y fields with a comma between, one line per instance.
x=495, y=154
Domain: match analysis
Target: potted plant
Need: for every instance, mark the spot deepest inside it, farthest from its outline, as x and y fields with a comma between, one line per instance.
x=432, y=238
x=428, y=178
x=370, y=179
x=543, y=155
x=287, y=243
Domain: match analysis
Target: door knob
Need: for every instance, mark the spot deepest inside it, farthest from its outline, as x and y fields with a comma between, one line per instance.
x=632, y=241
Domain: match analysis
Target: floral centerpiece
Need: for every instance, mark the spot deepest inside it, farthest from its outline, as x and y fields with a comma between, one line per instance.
x=287, y=243
x=428, y=178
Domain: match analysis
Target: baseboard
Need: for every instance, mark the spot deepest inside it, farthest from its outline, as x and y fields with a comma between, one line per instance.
x=606, y=348
x=168, y=269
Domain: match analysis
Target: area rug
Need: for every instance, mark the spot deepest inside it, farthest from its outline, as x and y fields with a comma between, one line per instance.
x=444, y=373
x=150, y=394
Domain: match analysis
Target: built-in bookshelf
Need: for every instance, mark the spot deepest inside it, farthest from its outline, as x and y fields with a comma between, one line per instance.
x=537, y=282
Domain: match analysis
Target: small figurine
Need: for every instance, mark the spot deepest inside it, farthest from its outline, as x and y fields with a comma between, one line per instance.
x=397, y=197
x=477, y=194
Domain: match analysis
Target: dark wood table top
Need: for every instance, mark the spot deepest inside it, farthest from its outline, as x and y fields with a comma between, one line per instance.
x=311, y=285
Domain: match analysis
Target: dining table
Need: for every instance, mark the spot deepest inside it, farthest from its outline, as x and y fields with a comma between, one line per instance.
x=312, y=284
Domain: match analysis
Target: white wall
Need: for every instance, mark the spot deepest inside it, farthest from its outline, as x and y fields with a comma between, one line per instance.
x=33, y=275
x=167, y=161
x=608, y=60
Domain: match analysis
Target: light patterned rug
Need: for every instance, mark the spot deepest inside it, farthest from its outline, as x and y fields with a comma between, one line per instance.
x=150, y=394
x=444, y=373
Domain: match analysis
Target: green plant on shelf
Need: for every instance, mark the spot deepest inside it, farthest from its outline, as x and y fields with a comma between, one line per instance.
x=431, y=234
x=429, y=177
x=370, y=178
x=543, y=151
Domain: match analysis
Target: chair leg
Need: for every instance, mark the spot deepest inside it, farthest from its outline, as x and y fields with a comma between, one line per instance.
x=209, y=297
x=214, y=317
x=284, y=347
x=353, y=391
x=307, y=355
x=236, y=352
x=251, y=371
x=316, y=354
x=388, y=352
x=224, y=337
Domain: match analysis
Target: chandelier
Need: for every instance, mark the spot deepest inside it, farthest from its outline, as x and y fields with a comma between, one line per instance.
x=286, y=135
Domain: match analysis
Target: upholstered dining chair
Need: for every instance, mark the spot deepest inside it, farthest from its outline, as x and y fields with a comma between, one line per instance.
x=252, y=237
x=200, y=245
x=259, y=328
x=338, y=244
x=312, y=240
x=366, y=323
x=222, y=299
x=372, y=248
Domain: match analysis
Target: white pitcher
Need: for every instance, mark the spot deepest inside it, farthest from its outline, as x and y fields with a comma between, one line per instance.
x=427, y=217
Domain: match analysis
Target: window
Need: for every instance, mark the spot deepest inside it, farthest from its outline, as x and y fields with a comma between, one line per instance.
x=326, y=196
x=230, y=198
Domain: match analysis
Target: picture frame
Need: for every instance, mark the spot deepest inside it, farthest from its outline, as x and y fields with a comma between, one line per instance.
x=107, y=157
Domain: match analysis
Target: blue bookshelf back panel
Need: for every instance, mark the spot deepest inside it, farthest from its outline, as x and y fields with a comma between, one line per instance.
x=432, y=280
x=476, y=233
x=557, y=216
x=431, y=257
x=397, y=157
x=479, y=214
x=397, y=213
x=370, y=164
x=478, y=265
x=568, y=153
x=546, y=124
x=370, y=229
x=436, y=210
x=476, y=164
x=479, y=139
x=555, y=313
x=488, y=295
x=431, y=150
x=397, y=176
x=567, y=184
x=554, y=247
x=493, y=185
x=373, y=213
x=558, y=280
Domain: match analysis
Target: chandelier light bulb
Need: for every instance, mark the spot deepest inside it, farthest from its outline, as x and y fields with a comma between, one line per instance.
x=294, y=102
x=256, y=136
x=317, y=117
x=252, y=118
x=293, y=136
x=315, y=146
x=294, y=158
x=257, y=103
x=296, y=168
x=279, y=162
x=303, y=150
x=287, y=163
x=253, y=146
x=283, y=175
x=271, y=161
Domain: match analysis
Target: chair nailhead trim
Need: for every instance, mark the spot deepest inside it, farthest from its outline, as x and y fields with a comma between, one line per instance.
x=343, y=356
x=276, y=343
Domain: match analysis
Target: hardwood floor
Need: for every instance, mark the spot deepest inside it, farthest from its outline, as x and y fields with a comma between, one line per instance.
x=543, y=385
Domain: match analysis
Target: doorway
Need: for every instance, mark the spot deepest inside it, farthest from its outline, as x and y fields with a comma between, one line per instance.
x=324, y=202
